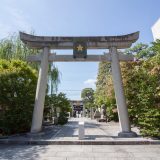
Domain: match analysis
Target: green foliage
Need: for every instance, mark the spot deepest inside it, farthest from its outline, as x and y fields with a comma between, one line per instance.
x=156, y=46
x=57, y=101
x=111, y=109
x=17, y=93
x=104, y=94
x=62, y=119
x=140, y=88
x=13, y=48
x=149, y=123
x=54, y=78
x=141, y=51
x=87, y=96
x=101, y=84
x=141, y=81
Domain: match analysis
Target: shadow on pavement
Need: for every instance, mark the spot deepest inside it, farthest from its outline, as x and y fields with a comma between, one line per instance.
x=18, y=152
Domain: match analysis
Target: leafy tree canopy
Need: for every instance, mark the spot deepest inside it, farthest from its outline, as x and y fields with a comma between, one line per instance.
x=13, y=48
x=141, y=51
x=141, y=85
x=87, y=95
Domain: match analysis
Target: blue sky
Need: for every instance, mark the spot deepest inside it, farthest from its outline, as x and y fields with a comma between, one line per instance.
x=79, y=18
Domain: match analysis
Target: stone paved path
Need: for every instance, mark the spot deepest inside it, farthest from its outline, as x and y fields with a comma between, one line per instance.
x=80, y=152
x=93, y=131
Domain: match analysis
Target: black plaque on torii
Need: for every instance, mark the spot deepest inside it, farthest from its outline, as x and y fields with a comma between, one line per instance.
x=79, y=48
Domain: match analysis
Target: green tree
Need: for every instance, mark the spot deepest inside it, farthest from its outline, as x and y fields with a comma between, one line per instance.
x=102, y=85
x=87, y=96
x=13, y=48
x=141, y=85
x=156, y=46
x=155, y=61
x=141, y=82
x=140, y=51
x=55, y=101
x=54, y=78
x=104, y=94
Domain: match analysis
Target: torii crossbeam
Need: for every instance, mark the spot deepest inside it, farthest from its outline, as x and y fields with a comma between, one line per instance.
x=99, y=42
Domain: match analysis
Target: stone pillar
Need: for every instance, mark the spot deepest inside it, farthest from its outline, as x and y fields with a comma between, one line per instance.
x=84, y=111
x=72, y=110
x=81, y=131
x=91, y=112
x=71, y=103
x=40, y=93
x=120, y=97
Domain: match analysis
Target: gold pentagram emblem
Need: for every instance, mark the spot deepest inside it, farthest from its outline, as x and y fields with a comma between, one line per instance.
x=80, y=47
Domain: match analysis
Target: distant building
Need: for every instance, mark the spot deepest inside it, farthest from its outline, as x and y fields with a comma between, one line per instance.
x=156, y=30
x=77, y=106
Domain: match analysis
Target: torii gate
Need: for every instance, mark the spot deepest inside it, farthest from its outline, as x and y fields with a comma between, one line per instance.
x=104, y=42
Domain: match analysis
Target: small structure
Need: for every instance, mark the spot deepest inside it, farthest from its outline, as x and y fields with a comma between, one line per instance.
x=77, y=106
x=97, y=114
x=103, y=114
x=81, y=131
x=113, y=43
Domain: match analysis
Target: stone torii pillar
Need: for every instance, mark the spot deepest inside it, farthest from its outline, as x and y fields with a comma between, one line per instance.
x=120, y=97
x=40, y=92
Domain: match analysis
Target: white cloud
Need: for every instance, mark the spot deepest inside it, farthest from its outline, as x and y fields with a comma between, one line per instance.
x=90, y=82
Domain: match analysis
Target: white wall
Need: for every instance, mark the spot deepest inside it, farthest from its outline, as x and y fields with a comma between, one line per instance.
x=156, y=30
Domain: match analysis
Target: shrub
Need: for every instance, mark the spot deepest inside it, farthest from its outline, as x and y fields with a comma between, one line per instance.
x=149, y=123
x=57, y=101
x=141, y=82
x=112, y=113
x=62, y=119
x=17, y=93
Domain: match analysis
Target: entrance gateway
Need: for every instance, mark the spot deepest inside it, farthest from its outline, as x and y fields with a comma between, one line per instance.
x=113, y=43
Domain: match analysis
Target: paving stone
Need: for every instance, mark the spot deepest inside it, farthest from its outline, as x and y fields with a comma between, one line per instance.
x=77, y=158
x=52, y=158
x=108, y=158
x=95, y=133
x=146, y=158
x=146, y=155
x=31, y=152
x=68, y=154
